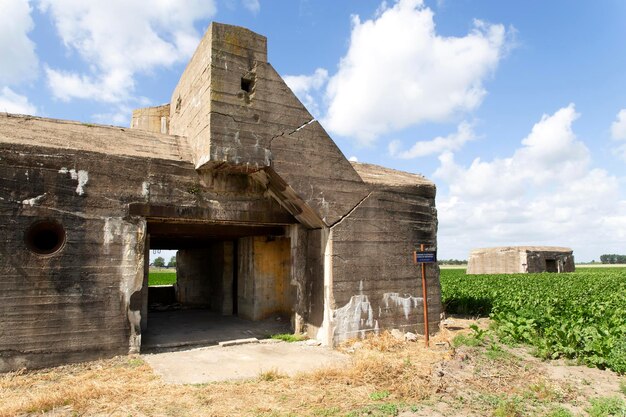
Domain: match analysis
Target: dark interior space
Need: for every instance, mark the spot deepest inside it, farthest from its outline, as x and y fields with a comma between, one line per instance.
x=551, y=265
x=232, y=282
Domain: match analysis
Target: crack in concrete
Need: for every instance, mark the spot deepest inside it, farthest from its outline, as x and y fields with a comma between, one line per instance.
x=342, y=218
x=269, y=147
x=229, y=116
x=303, y=126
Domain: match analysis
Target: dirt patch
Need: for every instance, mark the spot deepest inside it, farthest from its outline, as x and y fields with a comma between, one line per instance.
x=384, y=376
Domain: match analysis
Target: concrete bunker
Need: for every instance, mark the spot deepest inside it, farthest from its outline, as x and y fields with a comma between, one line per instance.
x=268, y=214
x=520, y=260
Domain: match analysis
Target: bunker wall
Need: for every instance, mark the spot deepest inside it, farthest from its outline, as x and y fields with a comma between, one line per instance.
x=375, y=285
x=550, y=261
x=507, y=260
x=84, y=301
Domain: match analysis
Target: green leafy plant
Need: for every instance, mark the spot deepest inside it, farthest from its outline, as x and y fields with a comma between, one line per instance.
x=607, y=406
x=379, y=395
x=289, y=337
x=579, y=315
x=559, y=412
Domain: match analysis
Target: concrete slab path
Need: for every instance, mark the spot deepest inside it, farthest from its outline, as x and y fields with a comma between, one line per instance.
x=182, y=329
x=215, y=363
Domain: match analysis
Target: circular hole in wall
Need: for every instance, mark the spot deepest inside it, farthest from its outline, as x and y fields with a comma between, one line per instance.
x=45, y=237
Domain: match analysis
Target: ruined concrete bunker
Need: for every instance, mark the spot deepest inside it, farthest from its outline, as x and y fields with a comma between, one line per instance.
x=268, y=216
x=520, y=260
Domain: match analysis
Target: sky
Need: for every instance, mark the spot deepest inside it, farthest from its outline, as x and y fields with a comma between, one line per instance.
x=516, y=110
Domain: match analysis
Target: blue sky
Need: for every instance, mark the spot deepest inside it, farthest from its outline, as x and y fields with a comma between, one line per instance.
x=517, y=110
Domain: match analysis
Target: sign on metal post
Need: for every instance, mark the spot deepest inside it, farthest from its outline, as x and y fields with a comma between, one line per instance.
x=425, y=256
x=422, y=257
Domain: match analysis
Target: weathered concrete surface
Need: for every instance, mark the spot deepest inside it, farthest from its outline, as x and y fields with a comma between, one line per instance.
x=178, y=329
x=230, y=128
x=194, y=286
x=244, y=162
x=375, y=284
x=108, y=140
x=85, y=301
x=213, y=364
x=204, y=277
x=264, y=288
x=520, y=260
x=152, y=119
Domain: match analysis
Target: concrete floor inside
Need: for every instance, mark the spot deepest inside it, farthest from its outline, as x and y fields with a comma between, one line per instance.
x=181, y=329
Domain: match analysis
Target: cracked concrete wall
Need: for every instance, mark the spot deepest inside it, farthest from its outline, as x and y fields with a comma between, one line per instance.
x=520, y=260
x=242, y=150
x=84, y=301
x=375, y=284
x=265, y=128
x=252, y=122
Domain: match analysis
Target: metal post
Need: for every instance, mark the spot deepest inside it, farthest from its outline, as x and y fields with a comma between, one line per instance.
x=424, y=296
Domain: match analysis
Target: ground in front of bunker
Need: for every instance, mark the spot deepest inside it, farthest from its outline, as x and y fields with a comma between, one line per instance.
x=377, y=376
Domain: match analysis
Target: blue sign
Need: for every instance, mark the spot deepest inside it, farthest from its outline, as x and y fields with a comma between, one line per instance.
x=428, y=256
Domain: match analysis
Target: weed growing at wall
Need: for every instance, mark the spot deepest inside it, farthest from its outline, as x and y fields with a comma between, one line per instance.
x=578, y=315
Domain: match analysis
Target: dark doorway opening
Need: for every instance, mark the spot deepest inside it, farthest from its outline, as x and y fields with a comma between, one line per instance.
x=232, y=282
x=551, y=265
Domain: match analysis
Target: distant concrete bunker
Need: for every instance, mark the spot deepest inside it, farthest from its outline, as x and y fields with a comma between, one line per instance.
x=268, y=216
x=520, y=260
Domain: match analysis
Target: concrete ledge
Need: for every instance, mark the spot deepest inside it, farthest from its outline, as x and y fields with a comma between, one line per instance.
x=239, y=342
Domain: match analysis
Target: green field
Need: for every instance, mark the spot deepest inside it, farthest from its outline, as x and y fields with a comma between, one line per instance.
x=161, y=277
x=580, y=315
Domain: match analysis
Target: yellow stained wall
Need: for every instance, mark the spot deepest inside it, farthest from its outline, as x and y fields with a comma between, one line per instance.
x=264, y=287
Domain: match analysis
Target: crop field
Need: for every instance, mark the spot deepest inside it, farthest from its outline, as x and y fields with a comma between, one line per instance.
x=579, y=315
x=161, y=277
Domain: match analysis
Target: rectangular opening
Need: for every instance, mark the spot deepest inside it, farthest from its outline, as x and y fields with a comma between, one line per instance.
x=229, y=282
x=551, y=265
x=246, y=84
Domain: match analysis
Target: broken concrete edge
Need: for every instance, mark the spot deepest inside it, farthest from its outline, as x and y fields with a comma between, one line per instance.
x=237, y=342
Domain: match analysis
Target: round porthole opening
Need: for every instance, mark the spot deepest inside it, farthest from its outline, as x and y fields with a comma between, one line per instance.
x=45, y=237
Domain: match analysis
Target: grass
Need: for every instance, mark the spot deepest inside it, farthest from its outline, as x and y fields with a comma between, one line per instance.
x=127, y=386
x=161, y=277
x=607, y=406
x=622, y=386
x=271, y=375
x=289, y=337
x=559, y=412
x=384, y=377
x=379, y=395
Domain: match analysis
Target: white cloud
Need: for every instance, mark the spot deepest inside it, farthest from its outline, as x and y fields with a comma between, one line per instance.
x=114, y=86
x=545, y=193
x=120, y=116
x=618, y=127
x=19, y=61
x=252, y=5
x=119, y=39
x=11, y=102
x=304, y=87
x=399, y=72
x=452, y=142
x=618, y=132
x=353, y=159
